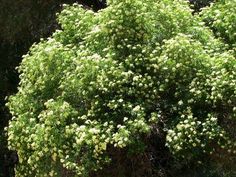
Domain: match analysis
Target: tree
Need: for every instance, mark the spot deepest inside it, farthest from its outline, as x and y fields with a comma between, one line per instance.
x=109, y=80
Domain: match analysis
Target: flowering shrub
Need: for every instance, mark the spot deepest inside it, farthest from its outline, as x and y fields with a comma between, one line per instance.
x=108, y=78
x=222, y=19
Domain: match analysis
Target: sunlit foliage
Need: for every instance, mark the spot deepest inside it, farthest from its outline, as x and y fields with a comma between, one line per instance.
x=107, y=78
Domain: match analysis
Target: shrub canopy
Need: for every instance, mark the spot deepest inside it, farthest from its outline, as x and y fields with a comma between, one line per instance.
x=106, y=80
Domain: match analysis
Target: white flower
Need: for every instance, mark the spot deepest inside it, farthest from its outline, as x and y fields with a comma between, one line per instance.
x=136, y=108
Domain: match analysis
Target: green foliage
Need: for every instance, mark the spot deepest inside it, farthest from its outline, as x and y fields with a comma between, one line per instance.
x=107, y=79
x=221, y=18
x=21, y=24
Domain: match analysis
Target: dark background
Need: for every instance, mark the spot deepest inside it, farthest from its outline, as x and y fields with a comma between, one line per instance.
x=22, y=23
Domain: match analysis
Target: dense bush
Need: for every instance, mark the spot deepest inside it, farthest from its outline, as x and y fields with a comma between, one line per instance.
x=21, y=24
x=108, y=80
x=222, y=19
